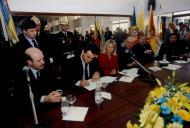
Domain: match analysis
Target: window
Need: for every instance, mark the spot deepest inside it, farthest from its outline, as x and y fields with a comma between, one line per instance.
x=122, y=24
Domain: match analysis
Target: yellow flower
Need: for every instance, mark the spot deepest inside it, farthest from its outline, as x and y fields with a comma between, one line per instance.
x=187, y=105
x=149, y=115
x=158, y=92
x=159, y=123
x=174, y=125
x=186, y=89
x=129, y=125
x=177, y=99
x=184, y=115
x=173, y=104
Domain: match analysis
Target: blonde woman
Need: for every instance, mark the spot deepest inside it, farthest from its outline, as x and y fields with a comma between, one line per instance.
x=108, y=59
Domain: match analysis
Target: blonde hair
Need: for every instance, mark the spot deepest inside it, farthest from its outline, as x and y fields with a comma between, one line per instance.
x=110, y=41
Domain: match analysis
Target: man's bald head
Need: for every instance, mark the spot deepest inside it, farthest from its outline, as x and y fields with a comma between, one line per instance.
x=35, y=58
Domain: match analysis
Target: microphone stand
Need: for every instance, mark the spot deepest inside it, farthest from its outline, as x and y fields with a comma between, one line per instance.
x=33, y=105
x=152, y=75
x=31, y=95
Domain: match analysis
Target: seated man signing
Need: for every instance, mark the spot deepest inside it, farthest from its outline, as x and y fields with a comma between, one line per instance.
x=83, y=67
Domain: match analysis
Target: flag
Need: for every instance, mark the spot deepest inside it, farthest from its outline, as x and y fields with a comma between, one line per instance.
x=140, y=20
x=7, y=22
x=3, y=27
x=151, y=20
x=134, y=23
x=153, y=40
x=97, y=34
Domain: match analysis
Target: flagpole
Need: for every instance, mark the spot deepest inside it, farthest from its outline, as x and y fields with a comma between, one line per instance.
x=4, y=26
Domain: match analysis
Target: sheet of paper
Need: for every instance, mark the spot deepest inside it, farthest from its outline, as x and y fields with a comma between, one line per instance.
x=130, y=72
x=154, y=68
x=126, y=79
x=76, y=114
x=91, y=86
x=106, y=95
x=172, y=67
x=108, y=79
x=164, y=62
x=181, y=61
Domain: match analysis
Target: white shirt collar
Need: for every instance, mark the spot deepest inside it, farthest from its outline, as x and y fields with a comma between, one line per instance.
x=34, y=71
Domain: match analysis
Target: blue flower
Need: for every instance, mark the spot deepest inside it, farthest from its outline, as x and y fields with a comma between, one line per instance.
x=161, y=100
x=165, y=110
x=178, y=119
x=188, y=95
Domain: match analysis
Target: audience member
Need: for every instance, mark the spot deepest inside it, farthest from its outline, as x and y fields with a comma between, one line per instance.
x=170, y=48
x=127, y=51
x=108, y=34
x=143, y=51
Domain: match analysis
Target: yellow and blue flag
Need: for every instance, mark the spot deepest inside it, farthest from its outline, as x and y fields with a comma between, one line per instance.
x=133, y=21
x=8, y=22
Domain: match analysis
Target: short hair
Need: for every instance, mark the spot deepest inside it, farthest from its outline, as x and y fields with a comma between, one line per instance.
x=91, y=47
x=27, y=24
x=172, y=34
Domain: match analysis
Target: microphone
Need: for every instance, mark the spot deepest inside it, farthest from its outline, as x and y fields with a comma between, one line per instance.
x=144, y=73
x=26, y=70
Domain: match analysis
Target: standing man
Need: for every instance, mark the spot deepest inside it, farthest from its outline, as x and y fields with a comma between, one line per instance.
x=27, y=39
x=108, y=34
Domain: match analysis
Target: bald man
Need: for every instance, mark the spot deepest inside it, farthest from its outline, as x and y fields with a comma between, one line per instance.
x=41, y=82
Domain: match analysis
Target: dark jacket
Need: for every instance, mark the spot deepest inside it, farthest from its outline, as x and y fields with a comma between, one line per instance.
x=74, y=71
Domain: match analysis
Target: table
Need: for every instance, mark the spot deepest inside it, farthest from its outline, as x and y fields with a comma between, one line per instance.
x=127, y=99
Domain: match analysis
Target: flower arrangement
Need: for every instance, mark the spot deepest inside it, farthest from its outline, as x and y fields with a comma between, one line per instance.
x=167, y=106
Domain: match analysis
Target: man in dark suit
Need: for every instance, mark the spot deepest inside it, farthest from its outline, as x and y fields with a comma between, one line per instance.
x=143, y=52
x=83, y=67
x=41, y=84
x=26, y=40
x=126, y=52
x=171, y=48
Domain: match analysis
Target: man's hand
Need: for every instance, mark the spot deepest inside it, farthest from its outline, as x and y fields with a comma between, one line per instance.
x=84, y=83
x=148, y=51
x=53, y=97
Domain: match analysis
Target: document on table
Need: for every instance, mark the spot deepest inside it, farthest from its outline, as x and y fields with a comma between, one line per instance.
x=76, y=114
x=155, y=68
x=164, y=62
x=181, y=61
x=92, y=85
x=172, y=67
x=126, y=79
x=108, y=79
x=106, y=95
x=130, y=72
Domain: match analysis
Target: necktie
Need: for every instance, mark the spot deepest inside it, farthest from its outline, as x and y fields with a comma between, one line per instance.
x=65, y=34
x=35, y=44
x=86, y=72
x=38, y=75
